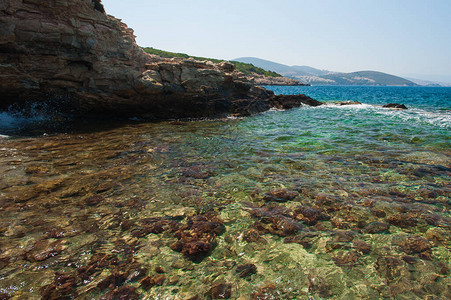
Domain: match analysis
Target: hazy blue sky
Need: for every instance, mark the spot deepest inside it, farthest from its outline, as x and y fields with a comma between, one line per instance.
x=395, y=36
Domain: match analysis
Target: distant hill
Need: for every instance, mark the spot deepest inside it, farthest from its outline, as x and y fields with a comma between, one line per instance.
x=324, y=77
x=367, y=78
x=285, y=70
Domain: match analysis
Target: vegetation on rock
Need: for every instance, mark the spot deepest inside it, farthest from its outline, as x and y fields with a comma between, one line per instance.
x=247, y=69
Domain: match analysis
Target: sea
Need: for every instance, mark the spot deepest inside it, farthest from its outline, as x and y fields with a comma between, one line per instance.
x=328, y=202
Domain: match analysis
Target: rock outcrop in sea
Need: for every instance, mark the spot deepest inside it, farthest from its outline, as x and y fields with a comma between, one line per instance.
x=71, y=53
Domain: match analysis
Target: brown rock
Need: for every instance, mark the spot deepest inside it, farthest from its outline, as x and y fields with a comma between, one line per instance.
x=246, y=270
x=93, y=66
x=404, y=220
x=280, y=195
x=62, y=287
x=412, y=244
x=221, y=291
x=377, y=227
x=44, y=249
x=123, y=293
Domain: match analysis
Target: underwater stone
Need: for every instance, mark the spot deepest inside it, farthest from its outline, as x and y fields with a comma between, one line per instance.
x=389, y=267
x=362, y=246
x=310, y=215
x=318, y=285
x=123, y=293
x=280, y=195
x=113, y=281
x=412, y=244
x=404, y=220
x=44, y=249
x=221, y=291
x=197, y=237
x=93, y=200
x=377, y=227
x=62, y=287
x=346, y=258
x=246, y=270
x=268, y=291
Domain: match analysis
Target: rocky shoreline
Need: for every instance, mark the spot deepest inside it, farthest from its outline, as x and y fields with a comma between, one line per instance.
x=284, y=81
x=87, y=63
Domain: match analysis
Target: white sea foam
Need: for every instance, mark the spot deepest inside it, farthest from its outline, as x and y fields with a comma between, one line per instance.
x=436, y=118
x=441, y=119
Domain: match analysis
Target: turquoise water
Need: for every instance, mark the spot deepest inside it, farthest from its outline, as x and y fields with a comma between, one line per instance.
x=339, y=202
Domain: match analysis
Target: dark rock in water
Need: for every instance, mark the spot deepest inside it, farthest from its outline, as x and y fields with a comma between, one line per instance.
x=310, y=215
x=275, y=220
x=404, y=220
x=147, y=282
x=137, y=274
x=291, y=101
x=94, y=200
x=246, y=270
x=362, y=246
x=221, y=291
x=123, y=293
x=343, y=236
x=346, y=258
x=395, y=105
x=280, y=195
x=306, y=239
x=389, y=267
x=93, y=67
x=412, y=244
x=252, y=236
x=348, y=103
x=197, y=238
x=62, y=287
x=377, y=227
x=268, y=291
x=318, y=285
x=113, y=281
x=44, y=249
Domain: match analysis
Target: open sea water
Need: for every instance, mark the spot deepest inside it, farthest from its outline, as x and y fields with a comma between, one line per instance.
x=328, y=202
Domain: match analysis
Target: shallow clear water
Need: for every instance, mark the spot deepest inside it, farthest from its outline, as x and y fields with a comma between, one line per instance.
x=340, y=202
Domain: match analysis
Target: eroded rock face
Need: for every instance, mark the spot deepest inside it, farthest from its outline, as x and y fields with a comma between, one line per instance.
x=71, y=53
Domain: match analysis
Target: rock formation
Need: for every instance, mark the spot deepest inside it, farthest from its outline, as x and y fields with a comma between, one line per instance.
x=268, y=80
x=71, y=53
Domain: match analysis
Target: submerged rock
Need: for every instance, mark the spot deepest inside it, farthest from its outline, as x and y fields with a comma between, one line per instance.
x=196, y=239
x=221, y=291
x=280, y=195
x=246, y=270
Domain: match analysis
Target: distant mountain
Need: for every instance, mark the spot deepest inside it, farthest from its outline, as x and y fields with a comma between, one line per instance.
x=324, y=77
x=428, y=82
x=285, y=70
x=367, y=78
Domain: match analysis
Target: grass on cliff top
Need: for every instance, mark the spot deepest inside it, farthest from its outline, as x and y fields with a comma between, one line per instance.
x=247, y=69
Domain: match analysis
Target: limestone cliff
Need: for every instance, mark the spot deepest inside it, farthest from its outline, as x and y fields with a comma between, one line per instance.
x=71, y=53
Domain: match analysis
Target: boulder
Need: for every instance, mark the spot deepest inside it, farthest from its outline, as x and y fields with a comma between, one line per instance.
x=395, y=105
x=74, y=56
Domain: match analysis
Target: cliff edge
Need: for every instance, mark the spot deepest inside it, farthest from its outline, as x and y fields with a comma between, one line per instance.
x=70, y=52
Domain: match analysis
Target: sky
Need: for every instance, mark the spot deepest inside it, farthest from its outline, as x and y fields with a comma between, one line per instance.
x=400, y=37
